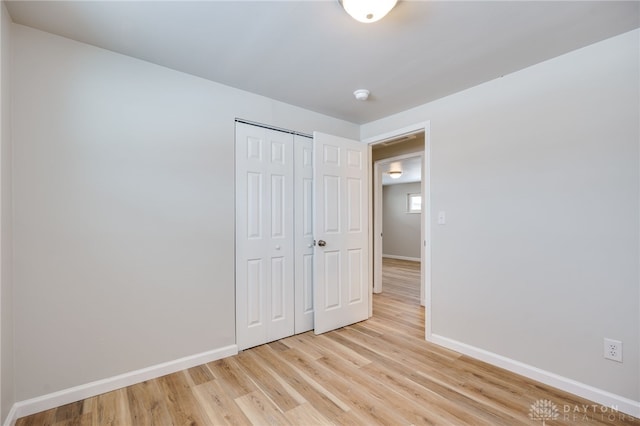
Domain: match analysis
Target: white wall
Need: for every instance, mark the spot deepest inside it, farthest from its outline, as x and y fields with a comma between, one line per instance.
x=124, y=210
x=400, y=230
x=538, y=173
x=7, y=394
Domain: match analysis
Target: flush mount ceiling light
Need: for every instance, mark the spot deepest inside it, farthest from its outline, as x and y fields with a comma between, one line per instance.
x=368, y=10
x=395, y=174
x=361, y=94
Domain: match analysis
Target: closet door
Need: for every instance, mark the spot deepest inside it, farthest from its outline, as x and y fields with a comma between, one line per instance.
x=303, y=190
x=264, y=235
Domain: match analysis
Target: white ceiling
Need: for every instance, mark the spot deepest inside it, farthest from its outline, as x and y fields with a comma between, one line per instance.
x=411, y=169
x=312, y=54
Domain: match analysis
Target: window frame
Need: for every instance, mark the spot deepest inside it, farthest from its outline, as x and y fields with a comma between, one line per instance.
x=410, y=198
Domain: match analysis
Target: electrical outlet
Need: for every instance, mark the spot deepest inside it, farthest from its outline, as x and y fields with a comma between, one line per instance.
x=613, y=350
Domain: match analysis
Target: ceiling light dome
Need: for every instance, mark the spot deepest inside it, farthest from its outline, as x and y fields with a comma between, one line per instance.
x=395, y=174
x=368, y=10
x=361, y=94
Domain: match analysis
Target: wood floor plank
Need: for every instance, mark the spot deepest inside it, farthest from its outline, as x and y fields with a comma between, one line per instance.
x=200, y=374
x=384, y=393
x=44, y=418
x=254, y=357
x=306, y=367
x=69, y=411
x=146, y=404
x=181, y=403
x=260, y=410
x=111, y=408
x=306, y=414
x=366, y=403
x=219, y=408
x=329, y=348
x=302, y=343
x=379, y=371
x=397, y=364
x=254, y=368
x=438, y=409
x=229, y=374
x=325, y=403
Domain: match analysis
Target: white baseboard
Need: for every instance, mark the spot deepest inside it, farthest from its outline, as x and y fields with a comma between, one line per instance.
x=393, y=256
x=88, y=390
x=602, y=397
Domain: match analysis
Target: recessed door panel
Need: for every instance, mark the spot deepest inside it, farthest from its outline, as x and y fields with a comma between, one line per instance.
x=307, y=208
x=331, y=204
x=255, y=284
x=254, y=196
x=354, y=159
x=254, y=148
x=278, y=206
x=332, y=280
x=354, y=205
x=331, y=155
x=356, y=266
x=307, y=287
x=278, y=291
x=278, y=152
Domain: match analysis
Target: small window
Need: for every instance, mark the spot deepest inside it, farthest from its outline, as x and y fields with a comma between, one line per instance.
x=414, y=203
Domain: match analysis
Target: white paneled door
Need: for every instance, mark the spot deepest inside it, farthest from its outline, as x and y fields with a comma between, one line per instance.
x=341, y=229
x=303, y=213
x=290, y=190
x=264, y=235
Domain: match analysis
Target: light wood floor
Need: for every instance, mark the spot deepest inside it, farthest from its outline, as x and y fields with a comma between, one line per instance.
x=380, y=371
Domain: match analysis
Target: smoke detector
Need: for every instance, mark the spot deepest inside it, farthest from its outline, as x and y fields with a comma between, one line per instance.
x=361, y=94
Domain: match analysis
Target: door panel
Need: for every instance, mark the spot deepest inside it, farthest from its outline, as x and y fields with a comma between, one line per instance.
x=342, y=275
x=331, y=205
x=354, y=208
x=277, y=288
x=277, y=206
x=253, y=207
x=332, y=280
x=303, y=189
x=356, y=285
x=264, y=235
x=254, y=293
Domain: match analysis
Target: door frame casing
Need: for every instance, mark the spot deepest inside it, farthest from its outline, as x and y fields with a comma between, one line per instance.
x=425, y=127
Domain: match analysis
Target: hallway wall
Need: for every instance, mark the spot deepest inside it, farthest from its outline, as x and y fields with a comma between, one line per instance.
x=401, y=230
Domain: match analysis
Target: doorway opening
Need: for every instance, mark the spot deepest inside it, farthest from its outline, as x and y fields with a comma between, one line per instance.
x=400, y=204
x=398, y=225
